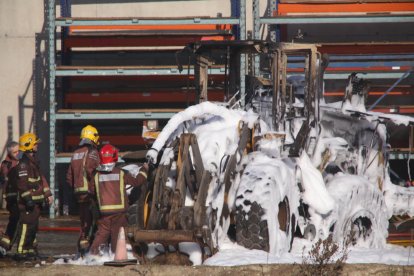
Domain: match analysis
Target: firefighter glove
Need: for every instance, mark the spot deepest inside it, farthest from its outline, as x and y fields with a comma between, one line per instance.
x=30, y=205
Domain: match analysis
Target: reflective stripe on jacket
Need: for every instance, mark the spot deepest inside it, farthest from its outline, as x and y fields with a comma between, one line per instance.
x=82, y=166
x=31, y=184
x=111, y=192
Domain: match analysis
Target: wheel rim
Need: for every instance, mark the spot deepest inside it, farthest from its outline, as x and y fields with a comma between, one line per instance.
x=283, y=215
x=360, y=226
x=146, y=209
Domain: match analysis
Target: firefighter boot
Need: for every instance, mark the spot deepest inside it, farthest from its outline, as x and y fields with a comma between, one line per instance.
x=83, y=246
x=4, y=245
x=3, y=252
x=32, y=255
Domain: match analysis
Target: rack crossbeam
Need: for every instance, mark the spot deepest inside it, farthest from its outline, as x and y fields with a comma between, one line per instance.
x=284, y=20
x=73, y=21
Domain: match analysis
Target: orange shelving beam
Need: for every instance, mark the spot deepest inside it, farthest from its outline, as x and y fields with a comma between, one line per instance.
x=291, y=9
x=205, y=27
x=145, y=35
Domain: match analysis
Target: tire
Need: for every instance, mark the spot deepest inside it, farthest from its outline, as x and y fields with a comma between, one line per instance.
x=251, y=230
x=363, y=216
x=136, y=218
x=135, y=212
x=136, y=199
x=264, y=217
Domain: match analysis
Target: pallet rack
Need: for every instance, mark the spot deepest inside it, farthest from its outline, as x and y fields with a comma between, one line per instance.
x=384, y=63
x=378, y=60
x=83, y=32
x=322, y=13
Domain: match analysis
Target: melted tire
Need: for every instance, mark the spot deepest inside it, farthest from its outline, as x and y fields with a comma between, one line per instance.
x=366, y=225
x=265, y=217
x=251, y=230
x=135, y=212
x=133, y=216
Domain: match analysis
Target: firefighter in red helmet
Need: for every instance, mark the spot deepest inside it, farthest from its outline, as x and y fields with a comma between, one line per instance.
x=111, y=195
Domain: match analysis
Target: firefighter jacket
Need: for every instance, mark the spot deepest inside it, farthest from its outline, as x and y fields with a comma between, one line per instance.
x=82, y=166
x=31, y=184
x=6, y=178
x=111, y=192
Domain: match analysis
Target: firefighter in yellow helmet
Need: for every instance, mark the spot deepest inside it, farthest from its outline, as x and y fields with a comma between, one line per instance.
x=82, y=167
x=33, y=190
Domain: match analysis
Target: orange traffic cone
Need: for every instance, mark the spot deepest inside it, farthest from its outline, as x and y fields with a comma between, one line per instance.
x=120, y=258
x=121, y=251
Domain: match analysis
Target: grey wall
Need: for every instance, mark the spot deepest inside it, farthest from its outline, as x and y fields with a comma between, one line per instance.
x=19, y=21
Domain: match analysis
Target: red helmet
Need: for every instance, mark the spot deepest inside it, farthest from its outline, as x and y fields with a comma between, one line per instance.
x=108, y=154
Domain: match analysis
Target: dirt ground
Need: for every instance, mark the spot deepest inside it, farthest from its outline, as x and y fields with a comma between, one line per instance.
x=53, y=243
x=148, y=270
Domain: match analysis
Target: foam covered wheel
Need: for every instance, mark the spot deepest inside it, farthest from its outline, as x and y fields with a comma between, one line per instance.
x=265, y=213
x=363, y=215
x=251, y=230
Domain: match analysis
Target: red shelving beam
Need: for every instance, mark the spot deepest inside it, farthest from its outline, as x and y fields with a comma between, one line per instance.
x=395, y=109
x=136, y=41
x=367, y=48
x=372, y=93
x=116, y=140
x=139, y=97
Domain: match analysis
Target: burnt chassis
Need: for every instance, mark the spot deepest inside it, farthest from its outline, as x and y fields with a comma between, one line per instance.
x=160, y=214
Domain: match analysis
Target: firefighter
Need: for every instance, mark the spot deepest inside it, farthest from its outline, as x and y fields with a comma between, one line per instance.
x=110, y=183
x=83, y=164
x=10, y=192
x=33, y=190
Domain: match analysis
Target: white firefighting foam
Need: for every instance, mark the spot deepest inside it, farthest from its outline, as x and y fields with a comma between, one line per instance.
x=217, y=131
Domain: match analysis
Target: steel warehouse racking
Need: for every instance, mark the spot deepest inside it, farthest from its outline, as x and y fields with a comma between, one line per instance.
x=375, y=38
x=73, y=79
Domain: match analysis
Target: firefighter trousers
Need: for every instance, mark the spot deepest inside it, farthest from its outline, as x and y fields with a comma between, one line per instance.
x=27, y=230
x=85, y=217
x=14, y=213
x=108, y=228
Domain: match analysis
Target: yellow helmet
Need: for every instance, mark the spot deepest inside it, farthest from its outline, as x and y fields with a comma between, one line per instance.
x=27, y=141
x=91, y=133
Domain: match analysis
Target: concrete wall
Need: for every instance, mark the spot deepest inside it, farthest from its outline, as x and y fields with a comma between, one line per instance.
x=149, y=8
x=19, y=21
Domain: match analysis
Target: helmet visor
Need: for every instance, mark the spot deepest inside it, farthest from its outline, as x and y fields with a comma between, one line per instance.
x=106, y=167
